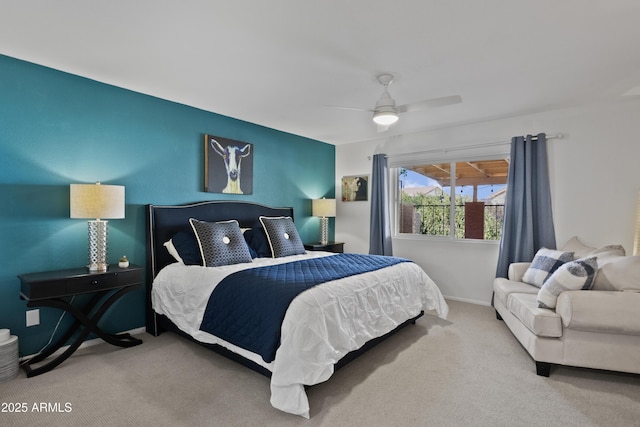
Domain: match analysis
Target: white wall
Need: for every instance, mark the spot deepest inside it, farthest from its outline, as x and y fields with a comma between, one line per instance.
x=594, y=178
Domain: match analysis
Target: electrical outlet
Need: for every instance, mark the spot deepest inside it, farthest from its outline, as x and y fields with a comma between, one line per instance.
x=33, y=317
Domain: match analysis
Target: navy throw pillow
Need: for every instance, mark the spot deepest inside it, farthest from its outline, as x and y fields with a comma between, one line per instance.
x=187, y=247
x=258, y=242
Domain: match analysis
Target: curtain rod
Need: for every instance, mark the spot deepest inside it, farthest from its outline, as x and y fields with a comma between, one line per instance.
x=467, y=147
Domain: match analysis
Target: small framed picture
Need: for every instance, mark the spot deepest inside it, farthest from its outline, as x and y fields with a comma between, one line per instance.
x=355, y=188
x=228, y=166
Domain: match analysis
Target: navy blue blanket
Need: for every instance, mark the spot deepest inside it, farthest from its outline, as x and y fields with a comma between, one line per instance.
x=247, y=307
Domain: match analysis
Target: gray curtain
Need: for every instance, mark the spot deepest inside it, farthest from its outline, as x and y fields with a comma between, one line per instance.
x=380, y=228
x=528, y=220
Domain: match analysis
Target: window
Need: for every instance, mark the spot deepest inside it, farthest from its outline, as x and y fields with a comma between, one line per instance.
x=460, y=199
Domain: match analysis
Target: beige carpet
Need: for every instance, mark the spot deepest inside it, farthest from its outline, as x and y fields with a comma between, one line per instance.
x=468, y=370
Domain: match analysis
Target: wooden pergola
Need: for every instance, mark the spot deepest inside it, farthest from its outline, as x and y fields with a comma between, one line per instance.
x=475, y=173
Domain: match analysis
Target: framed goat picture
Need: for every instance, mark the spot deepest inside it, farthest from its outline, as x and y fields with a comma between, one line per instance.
x=228, y=166
x=355, y=188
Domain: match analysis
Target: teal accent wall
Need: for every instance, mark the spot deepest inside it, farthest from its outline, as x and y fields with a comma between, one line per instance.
x=58, y=128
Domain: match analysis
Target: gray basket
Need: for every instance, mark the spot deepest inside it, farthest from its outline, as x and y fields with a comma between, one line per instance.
x=9, y=359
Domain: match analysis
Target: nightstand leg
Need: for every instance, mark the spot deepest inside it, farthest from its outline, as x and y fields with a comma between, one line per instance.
x=89, y=324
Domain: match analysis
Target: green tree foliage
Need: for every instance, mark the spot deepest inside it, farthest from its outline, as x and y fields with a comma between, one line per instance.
x=435, y=214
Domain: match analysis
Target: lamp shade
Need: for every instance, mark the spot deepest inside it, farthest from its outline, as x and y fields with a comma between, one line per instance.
x=323, y=207
x=96, y=201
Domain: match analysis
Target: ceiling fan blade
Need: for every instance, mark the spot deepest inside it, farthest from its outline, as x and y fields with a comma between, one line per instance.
x=382, y=128
x=342, y=107
x=430, y=103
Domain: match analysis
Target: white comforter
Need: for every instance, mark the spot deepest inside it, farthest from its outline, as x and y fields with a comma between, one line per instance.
x=321, y=325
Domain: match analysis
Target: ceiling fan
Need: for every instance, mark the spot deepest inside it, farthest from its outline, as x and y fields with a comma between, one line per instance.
x=386, y=112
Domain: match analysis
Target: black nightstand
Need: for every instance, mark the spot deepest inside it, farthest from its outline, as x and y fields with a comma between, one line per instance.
x=337, y=247
x=53, y=289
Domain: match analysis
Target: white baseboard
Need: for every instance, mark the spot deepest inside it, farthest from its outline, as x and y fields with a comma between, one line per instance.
x=88, y=343
x=470, y=301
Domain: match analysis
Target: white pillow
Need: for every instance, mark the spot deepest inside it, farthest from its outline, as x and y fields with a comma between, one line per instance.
x=571, y=276
x=173, y=251
x=544, y=264
x=579, y=249
x=620, y=274
x=608, y=253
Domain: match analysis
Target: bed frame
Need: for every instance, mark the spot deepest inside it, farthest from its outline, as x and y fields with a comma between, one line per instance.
x=162, y=222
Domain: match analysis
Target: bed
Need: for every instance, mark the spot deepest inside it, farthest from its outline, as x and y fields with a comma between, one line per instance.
x=326, y=321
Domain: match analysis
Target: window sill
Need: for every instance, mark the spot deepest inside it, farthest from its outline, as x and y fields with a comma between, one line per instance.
x=444, y=239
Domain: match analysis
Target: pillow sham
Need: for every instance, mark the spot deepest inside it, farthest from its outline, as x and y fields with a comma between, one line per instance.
x=283, y=236
x=221, y=243
x=184, y=248
x=544, y=264
x=258, y=242
x=571, y=276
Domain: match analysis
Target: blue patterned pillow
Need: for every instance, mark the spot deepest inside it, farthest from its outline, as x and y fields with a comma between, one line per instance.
x=544, y=264
x=221, y=243
x=283, y=236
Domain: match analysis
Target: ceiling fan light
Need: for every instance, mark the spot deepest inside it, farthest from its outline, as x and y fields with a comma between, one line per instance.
x=385, y=117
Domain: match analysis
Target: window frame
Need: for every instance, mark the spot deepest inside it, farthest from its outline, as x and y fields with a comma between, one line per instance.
x=413, y=159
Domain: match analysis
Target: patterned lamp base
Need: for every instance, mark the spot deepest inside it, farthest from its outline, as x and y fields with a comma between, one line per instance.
x=324, y=230
x=98, y=245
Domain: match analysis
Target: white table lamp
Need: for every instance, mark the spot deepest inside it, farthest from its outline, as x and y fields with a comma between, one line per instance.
x=324, y=208
x=97, y=202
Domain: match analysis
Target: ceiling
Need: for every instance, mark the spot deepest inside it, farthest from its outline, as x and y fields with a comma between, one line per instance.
x=286, y=64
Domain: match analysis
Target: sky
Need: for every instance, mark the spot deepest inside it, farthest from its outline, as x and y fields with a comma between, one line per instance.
x=413, y=179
